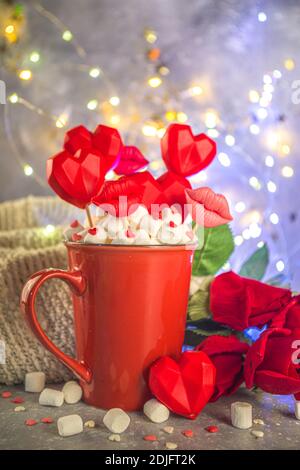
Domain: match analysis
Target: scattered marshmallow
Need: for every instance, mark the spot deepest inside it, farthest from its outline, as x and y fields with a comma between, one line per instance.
x=171, y=445
x=90, y=424
x=72, y=392
x=258, y=421
x=156, y=411
x=116, y=420
x=51, y=397
x=19, y=408
x=35, y=382
x=168, y=429
x=297, y=409
x=114, y=437
x=69, y=425
x=241, y=415
x=257, y=434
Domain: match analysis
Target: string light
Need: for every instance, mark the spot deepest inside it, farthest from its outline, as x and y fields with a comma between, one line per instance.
x=13, y=98
x=280, y=266
x=287, y=171
x=262, y=17
x=289, y=64
x=260, y=244
x=149, y=130
x=213, y=133
x=94, y=72
x=28, y=170
x=262, y=113
x=277, y=74
x=61, y=121
x=9, y=29
x=92, y=105
x=114, y=101
x=253, y=96
x=161, y=132
x=182, y=117
x=67, y=36
x=115, y=119
x=238, y=240
x=150, y=36
x=255, y=230
x=267, y=79
x=285, y=149
x=274, y=219
x=211, y=118
x=25, y=74
x=196, y=90
x=269, y=161
x=255, y=183
x=224, y=159
x=230, y=140
x=246, y=234
x=163, y=70
x=254, y=129
x=271, y=186
x=170, y=116
x=240, y=207
x=34, y=57
x=154, y=82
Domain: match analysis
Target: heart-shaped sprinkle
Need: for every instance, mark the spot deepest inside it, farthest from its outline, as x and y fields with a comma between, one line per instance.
x=47, y=420
x=76, y=237
x=150, y=437
x=74, y=224
x=212, y=429
x=129, y=233
x=92, y=231
x=30, y=422
x=6, y=394
x=188, y=433
x=17, y=400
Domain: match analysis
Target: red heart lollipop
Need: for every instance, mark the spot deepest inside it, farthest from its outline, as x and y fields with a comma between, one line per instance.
x=131, y=160
x=173, y=187
x=186, y=386
x=77, y=138
x=184, y=153
x=76, y=178
x=152, y=191
x=118, y=196
x=108, y=141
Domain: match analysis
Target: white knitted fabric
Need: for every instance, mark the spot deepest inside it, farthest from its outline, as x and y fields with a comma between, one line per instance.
x=24, y=249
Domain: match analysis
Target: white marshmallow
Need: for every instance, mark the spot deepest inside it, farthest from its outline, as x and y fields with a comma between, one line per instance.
x=156, y=411
x=141, y=238
x=168, y=215
x=136, y=216
x=114, y=225
x=72, y=392
x=151, y=225
x=69, y=425
x=35, y=382
x=99, y=237
x=241, y=415
x=69, y=231
x=297, y=409
x=116, y=420
x=171, y=236
x=50, y=397
x=121, y=238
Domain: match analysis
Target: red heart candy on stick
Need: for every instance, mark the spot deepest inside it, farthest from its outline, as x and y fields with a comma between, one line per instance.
x=118, y=196
x=76, y=178
x=173, y=187
x=186, y=386
x=77, y=138
x=108, y=141
x=208, y=208
x=152, y=192
x=131, y=160
x=184, y=153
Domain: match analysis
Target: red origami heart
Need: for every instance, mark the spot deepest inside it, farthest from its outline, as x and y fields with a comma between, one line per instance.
x=108, y=141
x=184, y=153
x=131, y=160
x=173, y=187
x=184, y=387
x=118, y=196
x=76, y=178
x=208, y=208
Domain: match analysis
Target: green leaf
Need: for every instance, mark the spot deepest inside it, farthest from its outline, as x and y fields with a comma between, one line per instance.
x=198, y=307
x=217, y=247
x=256, y=266
x=279, y=280
x=200, y=331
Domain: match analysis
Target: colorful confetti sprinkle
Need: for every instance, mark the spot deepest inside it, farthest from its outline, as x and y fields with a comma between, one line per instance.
x=6, y=394
x=30, y=422
x=188, y=433
x=47, y=420
x=212, y=429
x=150, y=437
x=17, y=400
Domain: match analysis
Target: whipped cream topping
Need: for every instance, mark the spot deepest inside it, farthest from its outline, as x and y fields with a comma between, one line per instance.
x=138, y=228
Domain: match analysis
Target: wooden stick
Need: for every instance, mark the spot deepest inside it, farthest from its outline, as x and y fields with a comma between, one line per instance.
x=89, y=216
x=195, y=228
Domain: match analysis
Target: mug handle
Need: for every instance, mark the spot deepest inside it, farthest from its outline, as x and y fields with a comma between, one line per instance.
x=77, y=284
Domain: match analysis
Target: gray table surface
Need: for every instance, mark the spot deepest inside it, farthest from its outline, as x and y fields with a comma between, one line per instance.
x=281, y=429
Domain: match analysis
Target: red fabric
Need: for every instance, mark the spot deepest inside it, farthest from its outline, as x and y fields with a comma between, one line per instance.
x=239, y=302
x=270, y=362
x=227, y=355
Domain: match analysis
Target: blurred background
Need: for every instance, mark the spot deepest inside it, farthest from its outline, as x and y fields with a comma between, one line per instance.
x=226, y=67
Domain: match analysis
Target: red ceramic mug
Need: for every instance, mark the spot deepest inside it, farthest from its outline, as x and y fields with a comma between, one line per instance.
x=129, y=309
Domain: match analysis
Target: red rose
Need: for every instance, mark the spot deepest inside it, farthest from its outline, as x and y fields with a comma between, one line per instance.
x=289, y=317
x=271, y=362
x=226, y=353
x=239, y=302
